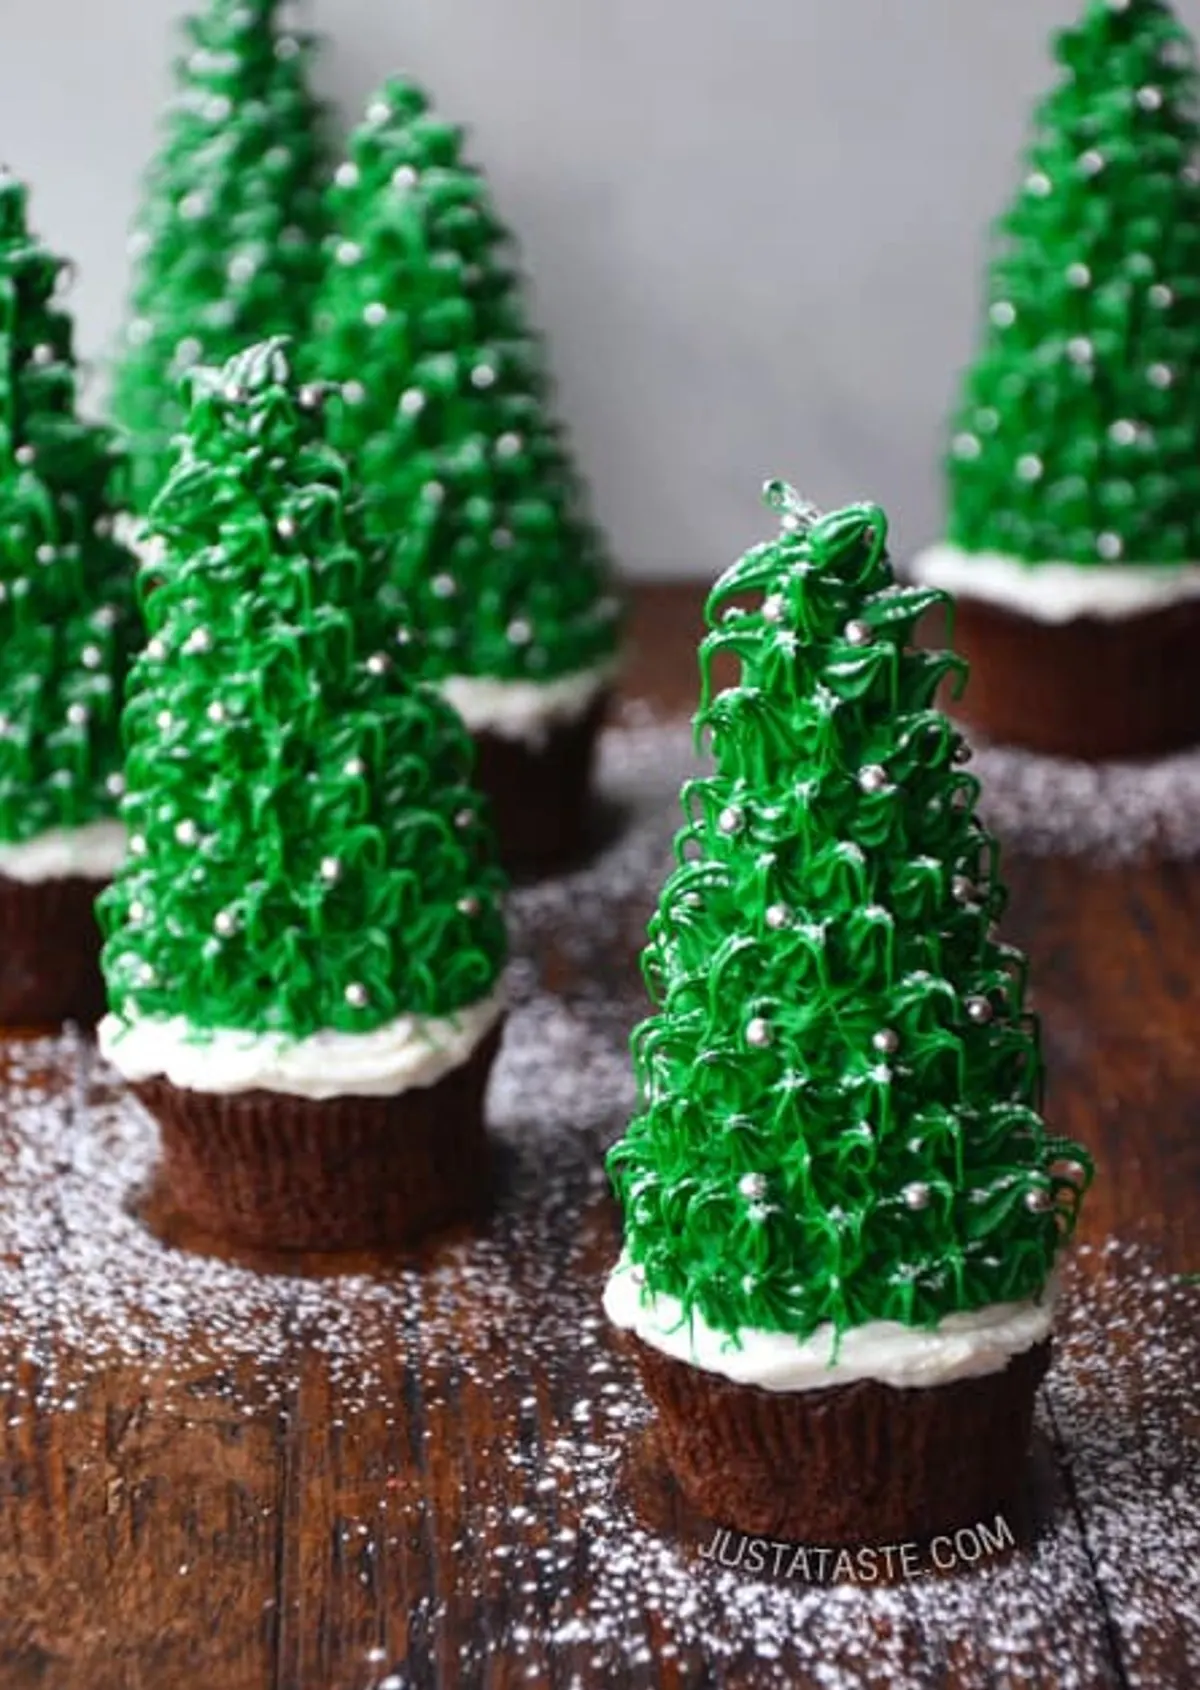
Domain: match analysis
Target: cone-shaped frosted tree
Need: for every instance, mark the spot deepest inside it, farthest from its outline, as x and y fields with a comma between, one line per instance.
x=306, y=850
x=227, y=245
x=840, y=1083
x=67, y=616
x=1076, y=436
x=448, y=419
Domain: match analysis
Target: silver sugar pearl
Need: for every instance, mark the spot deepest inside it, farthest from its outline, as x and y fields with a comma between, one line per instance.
x=963, y=889
x=519, y=631
x=378, y=663
x=331, y=870
x=758, y=1032
x=731, y=820
x=858, y=633
x=187, y=832
x=886, y=1041
x=115, y=786
x=215, y=711
x=91, y=657
x=375, y=313
x=778, y=916
x=357, y=995
x=443, y=586
x=916, y=1195
x=25, y=455
x=286, y=527
x=354, y=767
x=353, y=392
x=412, y=402
x=873, y=778
x=77, y=714
x=980, y=1011
x=1038, y=1200
x=464, y=818
x=773, y=608
x=469, y=906
x=225, y=923
x=483, y=376
x=753, y=1187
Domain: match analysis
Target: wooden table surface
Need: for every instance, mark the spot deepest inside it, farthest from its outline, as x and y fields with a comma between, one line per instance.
x=428, y=1473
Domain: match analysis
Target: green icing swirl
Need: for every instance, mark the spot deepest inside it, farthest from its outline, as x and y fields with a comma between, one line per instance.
x=840, y=1083
x=306, y=849
x=467, y=474
x=67, y=616
x=1075, y=438
x=227, y=244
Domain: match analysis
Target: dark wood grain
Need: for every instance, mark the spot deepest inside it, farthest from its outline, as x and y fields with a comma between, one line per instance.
x=194, y=1519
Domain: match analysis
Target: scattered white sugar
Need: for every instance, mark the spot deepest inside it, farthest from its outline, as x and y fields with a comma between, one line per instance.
x=571, y=1582
x=1107, y=812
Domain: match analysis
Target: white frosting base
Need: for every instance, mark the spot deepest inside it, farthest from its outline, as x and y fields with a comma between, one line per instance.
x=1057, y=592
x=962, y=1346
x=525, y=710
x=412, y=1051
x=94, y=852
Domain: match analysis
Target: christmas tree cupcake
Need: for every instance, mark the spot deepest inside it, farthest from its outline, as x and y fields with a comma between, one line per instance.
x=227, y=244
x=67, y=621
x=466, y=472
x=842, y=1208
x=1074, y=525
x=305, y=944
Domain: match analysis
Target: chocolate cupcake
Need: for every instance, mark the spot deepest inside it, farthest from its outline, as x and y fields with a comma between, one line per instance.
x=67, y=622
x=305, y=943
x=448, y=418
x=1073, y=534
x=842, y=1207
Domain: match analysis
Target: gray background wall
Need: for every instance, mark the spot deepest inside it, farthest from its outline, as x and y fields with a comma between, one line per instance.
x=755, y=225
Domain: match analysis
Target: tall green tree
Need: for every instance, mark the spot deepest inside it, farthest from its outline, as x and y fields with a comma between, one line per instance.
x=227, y=245
x=306, y=849
x=67, y=616
x=448, y=414
x=1075, y=439
x=840, y=1082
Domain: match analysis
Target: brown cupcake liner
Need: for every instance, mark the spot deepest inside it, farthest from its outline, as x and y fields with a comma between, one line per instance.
x=277, y=1172
x=1088, y=688
x=50, y=953
x=856, y=1465
x=539, y=794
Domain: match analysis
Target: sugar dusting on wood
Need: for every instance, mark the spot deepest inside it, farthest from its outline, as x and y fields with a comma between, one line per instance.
x=1104, y=812
x=552, y=1555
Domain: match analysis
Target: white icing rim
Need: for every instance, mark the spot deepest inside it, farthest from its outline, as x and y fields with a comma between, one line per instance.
x=94, y=852
x=525, y=710
x=962, y=1346
x=402, y=1055
x=1056, y=592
